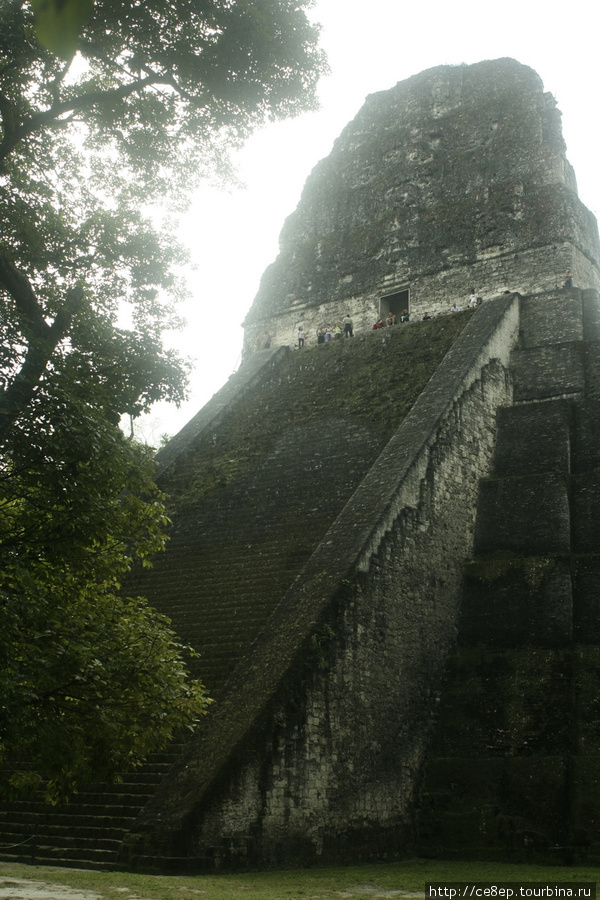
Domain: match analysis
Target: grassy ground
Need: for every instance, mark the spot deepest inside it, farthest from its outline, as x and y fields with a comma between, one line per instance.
x=353, y=882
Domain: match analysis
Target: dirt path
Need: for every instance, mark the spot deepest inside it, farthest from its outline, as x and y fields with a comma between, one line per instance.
x=29, y=889
x=26, y=889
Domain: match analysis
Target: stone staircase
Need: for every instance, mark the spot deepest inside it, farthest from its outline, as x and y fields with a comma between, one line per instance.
x=252, y=501
x=87, y=831
x=515, y=766
x=251, y=498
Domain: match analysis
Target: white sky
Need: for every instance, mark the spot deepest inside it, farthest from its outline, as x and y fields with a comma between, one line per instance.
x=233, y=236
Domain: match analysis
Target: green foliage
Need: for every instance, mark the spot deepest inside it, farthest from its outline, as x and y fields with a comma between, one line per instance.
x=90, y=680
x=93, y=154
x=58, y=24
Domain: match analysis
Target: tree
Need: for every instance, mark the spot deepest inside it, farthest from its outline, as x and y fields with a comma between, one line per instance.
x=159, y=90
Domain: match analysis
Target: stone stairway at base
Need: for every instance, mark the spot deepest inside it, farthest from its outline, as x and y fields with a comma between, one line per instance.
x=250, y=502
x=514, y=771
x=87, y=832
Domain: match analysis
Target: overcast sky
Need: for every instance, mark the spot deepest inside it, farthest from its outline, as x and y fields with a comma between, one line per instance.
x=233, y=236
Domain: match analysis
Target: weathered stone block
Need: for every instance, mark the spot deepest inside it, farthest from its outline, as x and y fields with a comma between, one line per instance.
x=586, y=599
x=586, y=696
x=586, y=436
x=592, y=368
x=502, y=702
x=585, y=500
x=533, y=438
x=544, y=372
x=513, y=602
x=526, y=516
x=534, y=800
x=584, y=830
x=591, y=314
x=551, y=319
x=494, y=806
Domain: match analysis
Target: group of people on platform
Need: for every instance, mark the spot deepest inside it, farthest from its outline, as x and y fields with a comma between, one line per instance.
x=391, y=319
x=474, y=301
x=345, y=328
x=327, y=333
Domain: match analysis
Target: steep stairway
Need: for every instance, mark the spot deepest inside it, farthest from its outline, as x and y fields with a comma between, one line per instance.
x=249, y=502
x=252, y=502
x=516, y=760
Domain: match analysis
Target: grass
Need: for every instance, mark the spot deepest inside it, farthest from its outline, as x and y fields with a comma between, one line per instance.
x=352, y=882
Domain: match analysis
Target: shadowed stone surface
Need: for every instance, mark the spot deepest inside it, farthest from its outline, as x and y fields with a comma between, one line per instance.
x=549, y=371
x=541, y=525
x=533, y=439
x=517, y=751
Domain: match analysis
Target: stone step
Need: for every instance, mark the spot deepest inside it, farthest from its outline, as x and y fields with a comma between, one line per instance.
x=46, y=857
x=64, y=830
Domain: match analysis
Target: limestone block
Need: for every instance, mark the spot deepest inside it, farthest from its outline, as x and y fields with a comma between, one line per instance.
x=585, y=524
x=591, y=315
x=592, y=368
x=510, y=603
x=586, y=436
x=519, y=808
x=526, y=516
x=505, y=701
x=551, y=319
x=586, y=694
x=585, y=818
x=584, y=813
x=533, y=438
x=586, y=600
x=549, y=371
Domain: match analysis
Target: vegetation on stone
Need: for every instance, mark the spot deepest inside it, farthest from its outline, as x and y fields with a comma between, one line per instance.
x=373, y=381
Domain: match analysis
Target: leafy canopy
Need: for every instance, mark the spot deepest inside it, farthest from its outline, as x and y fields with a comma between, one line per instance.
x=90, y=147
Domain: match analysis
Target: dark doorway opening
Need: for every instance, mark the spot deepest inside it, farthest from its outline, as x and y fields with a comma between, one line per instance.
x=396, y=303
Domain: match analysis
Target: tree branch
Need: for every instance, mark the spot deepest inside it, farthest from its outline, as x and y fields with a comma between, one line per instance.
x=42, y=340
x=31, y=318
x=85, y=101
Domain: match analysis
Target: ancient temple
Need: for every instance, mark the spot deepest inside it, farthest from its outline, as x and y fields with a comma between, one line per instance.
x=454, y=180
x=384, y=549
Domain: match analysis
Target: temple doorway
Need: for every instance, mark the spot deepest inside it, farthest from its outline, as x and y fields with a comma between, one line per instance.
x=396, y=303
